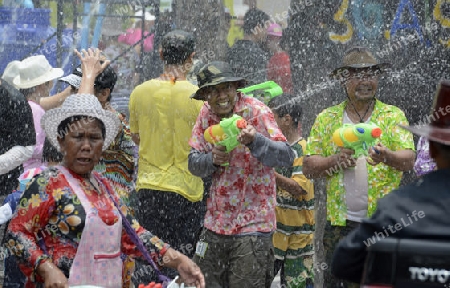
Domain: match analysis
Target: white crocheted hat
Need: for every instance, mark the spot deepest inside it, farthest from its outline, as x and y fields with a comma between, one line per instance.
x=83, y=105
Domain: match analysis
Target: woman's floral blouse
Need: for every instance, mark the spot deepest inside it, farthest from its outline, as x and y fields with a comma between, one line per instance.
x=50, y=212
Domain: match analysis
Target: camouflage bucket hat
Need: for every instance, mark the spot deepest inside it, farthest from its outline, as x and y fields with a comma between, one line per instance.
x=213, y=74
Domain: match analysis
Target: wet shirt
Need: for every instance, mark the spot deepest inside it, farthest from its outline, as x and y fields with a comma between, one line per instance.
x=16, y=129
x=424, y=163
x=242, y=195
x=51, y=211
x=248, y=60
x=382, y=178
x=163, y=115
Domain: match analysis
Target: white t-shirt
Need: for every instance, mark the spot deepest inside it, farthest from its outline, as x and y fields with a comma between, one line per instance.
x=356, y=186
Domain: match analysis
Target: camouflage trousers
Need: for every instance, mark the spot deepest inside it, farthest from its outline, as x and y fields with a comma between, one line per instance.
x=296, y=273
x=331, y=237
x=236, y=261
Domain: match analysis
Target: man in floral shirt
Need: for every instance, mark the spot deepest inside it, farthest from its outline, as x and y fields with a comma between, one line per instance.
x=353, y=187
x=235, y=247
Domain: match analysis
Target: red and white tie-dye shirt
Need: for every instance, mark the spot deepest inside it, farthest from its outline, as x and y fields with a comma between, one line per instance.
x=242, y=195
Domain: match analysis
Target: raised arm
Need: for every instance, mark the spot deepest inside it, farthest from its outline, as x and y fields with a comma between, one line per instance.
x=56, y=100
x=91, y=67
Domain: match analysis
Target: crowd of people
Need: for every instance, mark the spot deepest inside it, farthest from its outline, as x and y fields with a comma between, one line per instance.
x=90, y=197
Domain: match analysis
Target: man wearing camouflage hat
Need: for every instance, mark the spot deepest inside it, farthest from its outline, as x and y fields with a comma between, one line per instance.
x=161, y=120
x=235, y=247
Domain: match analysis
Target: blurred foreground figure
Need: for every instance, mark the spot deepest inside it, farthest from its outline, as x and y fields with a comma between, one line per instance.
x=417, y=211
x=17, y=137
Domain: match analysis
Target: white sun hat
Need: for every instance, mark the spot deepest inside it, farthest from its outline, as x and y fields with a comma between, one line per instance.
x=34, y=71
x=11, y=71
x=80, y=105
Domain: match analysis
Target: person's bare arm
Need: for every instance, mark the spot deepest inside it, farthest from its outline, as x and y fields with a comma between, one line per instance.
x=56, y=100
x=317, y=166
x=52, y=275
x=190, y=273
x=289, y=185
x=135, y=137
x=91, y=67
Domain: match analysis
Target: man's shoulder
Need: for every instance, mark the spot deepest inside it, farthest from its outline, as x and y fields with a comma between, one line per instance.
x=387, y=108
x=12, y=100
x=9, y=93
x=332, y=111
x=147, y=84
x=154, y=85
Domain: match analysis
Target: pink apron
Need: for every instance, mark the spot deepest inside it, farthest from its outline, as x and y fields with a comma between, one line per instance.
x=97, y=261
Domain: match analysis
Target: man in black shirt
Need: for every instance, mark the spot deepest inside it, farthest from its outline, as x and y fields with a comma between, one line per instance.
x=246, y=58
x=17, y=136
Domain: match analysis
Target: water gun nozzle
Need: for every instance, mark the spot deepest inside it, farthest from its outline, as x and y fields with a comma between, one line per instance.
x=241, y=124
x=376, y=132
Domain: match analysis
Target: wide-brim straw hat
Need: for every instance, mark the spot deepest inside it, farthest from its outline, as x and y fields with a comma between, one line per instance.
x=34, y=71
x=438, y=130
x=213, y=74
x=359, y=58
x=80, y=105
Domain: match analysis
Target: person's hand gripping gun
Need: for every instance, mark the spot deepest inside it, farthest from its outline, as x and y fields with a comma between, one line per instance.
x=358, y=137
x=225, y=133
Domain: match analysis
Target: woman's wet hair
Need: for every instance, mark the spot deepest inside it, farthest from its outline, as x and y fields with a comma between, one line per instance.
x=50, y=153
x=65, y=126
x=28, y=91
x=287, y=104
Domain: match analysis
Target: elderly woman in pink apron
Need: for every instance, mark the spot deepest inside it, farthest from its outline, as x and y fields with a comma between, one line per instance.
x=68, y=230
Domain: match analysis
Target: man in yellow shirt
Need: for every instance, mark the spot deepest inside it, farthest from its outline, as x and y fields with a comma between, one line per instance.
x=162, y=116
